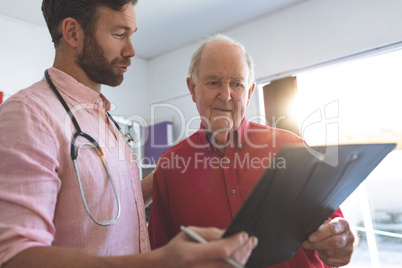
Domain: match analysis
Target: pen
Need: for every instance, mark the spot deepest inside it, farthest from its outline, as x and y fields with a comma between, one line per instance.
x=197, y=238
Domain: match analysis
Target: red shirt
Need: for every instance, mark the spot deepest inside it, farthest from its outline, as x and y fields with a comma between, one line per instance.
x=196, y=185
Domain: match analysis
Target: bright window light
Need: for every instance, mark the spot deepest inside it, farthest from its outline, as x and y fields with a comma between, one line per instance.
x=367, y=93
x=360, y=101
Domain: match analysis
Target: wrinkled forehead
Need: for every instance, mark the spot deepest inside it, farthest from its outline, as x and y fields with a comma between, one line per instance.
x=221, y=49
x=223, y=60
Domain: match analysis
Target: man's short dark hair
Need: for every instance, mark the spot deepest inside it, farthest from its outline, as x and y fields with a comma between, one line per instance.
x=84, y=11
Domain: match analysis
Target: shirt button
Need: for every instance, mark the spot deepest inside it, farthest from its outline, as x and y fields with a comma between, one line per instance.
x=233, y=191
x=143, y=238
x=240, y=145
x=228, y=161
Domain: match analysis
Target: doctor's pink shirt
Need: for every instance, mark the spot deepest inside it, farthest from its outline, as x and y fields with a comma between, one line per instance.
x=40, y=200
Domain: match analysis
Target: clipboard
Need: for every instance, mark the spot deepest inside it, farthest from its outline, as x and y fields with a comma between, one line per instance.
x=291, y=201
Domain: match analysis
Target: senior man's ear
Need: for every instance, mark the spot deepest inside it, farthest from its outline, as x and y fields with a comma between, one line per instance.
x=250, y=92
x=191, y=87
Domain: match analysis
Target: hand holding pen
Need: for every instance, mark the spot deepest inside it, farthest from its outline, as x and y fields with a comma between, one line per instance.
x=239, y=248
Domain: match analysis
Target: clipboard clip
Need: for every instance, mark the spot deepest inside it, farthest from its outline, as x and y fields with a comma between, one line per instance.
x=354, y=157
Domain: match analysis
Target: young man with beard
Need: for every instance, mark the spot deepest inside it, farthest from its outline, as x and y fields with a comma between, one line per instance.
x=226, y=157
x=69, y=196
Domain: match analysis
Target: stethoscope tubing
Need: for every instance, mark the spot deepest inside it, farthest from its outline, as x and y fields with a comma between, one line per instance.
x=74, y=155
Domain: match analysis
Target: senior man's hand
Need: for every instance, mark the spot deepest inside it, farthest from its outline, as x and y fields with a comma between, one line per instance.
x=333, y=241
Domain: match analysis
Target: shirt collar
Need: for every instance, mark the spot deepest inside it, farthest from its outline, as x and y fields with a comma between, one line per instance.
x=241, y=132
x=76, y=90
x=237, y=136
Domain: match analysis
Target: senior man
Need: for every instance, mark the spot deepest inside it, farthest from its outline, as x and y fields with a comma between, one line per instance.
x=226, y=157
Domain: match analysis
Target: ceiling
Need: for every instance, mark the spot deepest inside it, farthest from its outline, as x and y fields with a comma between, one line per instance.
x=165, y=25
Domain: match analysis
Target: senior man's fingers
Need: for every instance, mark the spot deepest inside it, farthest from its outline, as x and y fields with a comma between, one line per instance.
x=334, y=242
x=329, y=229
x=337, y=241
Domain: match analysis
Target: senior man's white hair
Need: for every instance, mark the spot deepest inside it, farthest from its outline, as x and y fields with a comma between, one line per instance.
x=192, y=70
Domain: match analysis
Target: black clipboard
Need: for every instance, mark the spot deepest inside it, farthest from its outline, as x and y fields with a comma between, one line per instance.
x=294, y=197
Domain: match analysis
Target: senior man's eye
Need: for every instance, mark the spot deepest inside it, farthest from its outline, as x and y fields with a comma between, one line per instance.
x=213, y=84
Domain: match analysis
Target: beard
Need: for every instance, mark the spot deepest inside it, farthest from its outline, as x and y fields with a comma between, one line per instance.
x=95, y=64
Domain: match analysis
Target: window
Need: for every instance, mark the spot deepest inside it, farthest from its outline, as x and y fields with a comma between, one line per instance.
x=360, y=101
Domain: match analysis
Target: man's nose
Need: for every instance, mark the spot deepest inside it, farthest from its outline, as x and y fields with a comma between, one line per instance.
x=225, y=92
x=128, y=50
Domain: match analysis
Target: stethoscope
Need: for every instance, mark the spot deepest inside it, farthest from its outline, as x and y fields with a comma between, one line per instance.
x=74, y=154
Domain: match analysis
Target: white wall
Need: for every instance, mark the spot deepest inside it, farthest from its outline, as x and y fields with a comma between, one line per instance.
x=26, y=51
x=319, y=30
x=312, y=32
